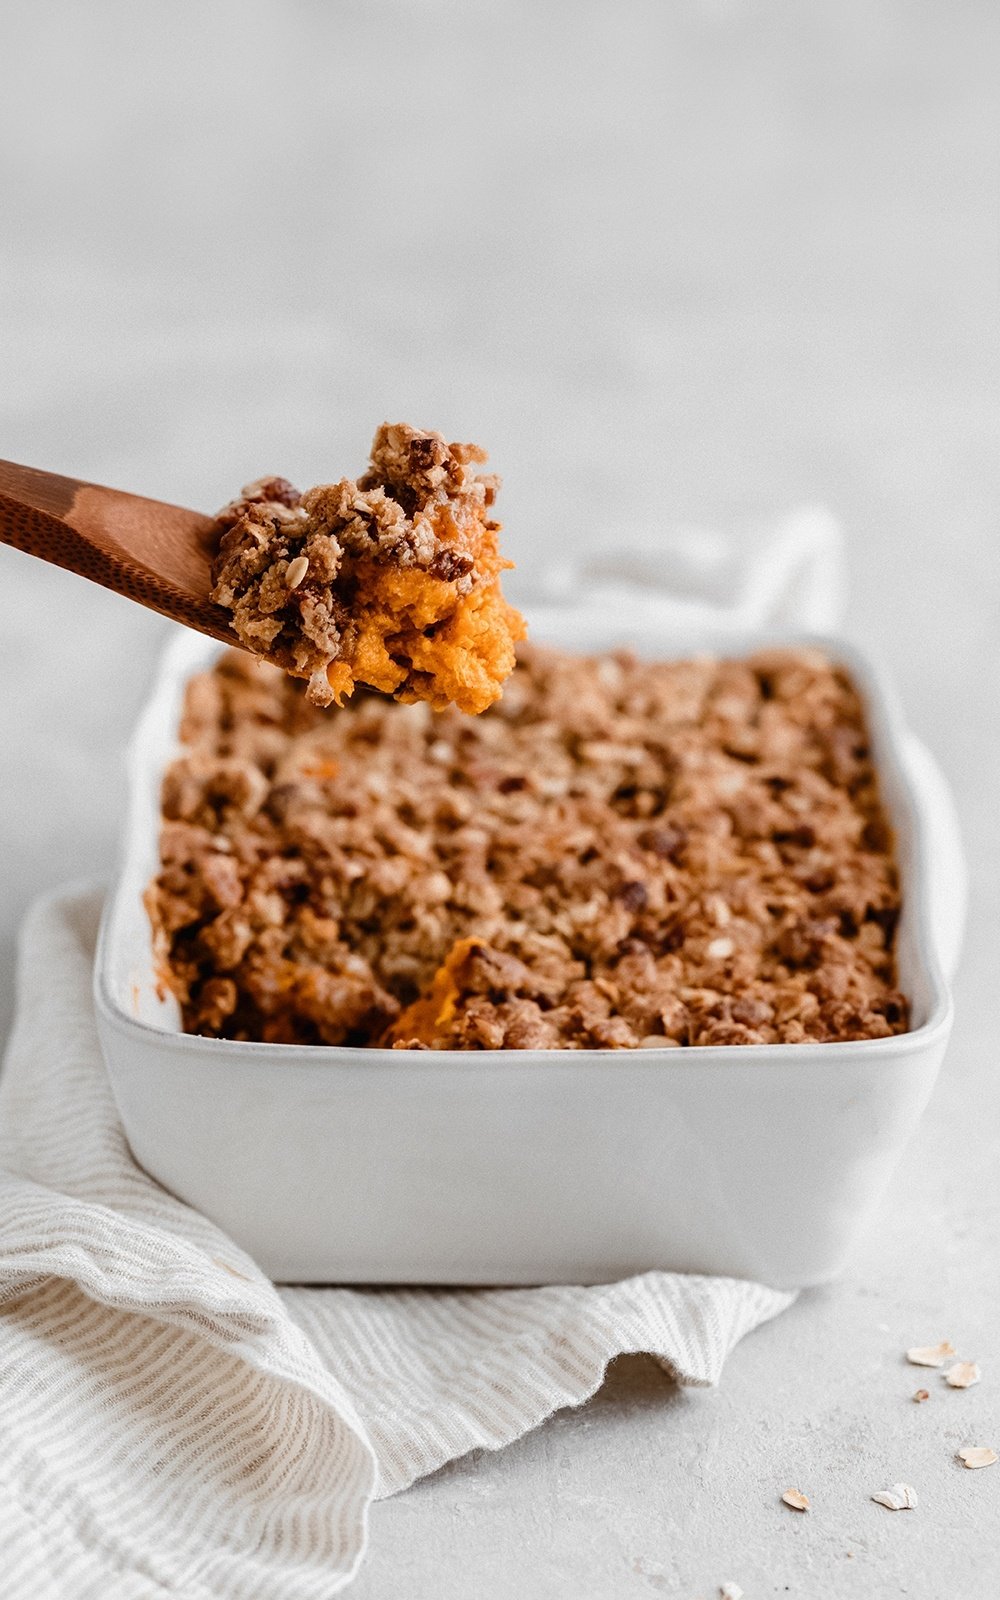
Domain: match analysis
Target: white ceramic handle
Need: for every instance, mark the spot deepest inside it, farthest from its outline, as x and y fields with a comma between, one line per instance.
x=948, y=878
x=783, y=574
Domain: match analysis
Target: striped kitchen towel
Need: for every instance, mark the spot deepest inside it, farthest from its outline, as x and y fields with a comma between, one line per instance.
x=173, y=1423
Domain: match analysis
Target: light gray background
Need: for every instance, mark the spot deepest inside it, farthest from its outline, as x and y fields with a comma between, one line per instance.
x=668, y=261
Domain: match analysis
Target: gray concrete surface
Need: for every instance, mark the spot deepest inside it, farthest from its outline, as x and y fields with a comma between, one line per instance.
x=696, y=261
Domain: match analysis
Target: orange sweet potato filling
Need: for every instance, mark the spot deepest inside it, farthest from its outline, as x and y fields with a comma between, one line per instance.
x=410, y=626
x=424, y=1020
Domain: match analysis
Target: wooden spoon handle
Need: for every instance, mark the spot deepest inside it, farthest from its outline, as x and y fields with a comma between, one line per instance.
x=155, y=553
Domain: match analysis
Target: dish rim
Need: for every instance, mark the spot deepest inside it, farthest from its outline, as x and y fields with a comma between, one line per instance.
x=882, y=706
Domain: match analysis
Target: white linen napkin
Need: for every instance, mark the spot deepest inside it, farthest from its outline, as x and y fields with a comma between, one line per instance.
x=170, y=1421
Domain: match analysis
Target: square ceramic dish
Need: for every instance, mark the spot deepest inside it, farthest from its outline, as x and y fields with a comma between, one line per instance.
x=338, y=1165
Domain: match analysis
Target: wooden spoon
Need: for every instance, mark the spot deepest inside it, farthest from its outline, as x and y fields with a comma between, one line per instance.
x=157, y=554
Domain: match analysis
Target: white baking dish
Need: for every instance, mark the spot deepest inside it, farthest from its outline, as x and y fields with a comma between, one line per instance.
x=368, y=1166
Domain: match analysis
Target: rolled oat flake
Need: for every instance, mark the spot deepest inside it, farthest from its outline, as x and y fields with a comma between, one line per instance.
x=962, y=1375
x=901, y=1497
x=931, y=1355
x=796, y=1499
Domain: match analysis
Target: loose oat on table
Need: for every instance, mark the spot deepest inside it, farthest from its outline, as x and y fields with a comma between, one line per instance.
x=392, y=580
x=618, y=854
x=978, y=1455
x=901, y=1497
x=921, y=1395
x=931, y=1355
x=797, y=1500
x=963, y=1375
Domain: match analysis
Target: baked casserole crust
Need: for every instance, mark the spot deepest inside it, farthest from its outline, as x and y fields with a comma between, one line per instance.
x=616, y=854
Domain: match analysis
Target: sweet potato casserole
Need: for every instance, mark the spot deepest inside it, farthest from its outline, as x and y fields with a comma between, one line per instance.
x=392, y=580
x=616, y=854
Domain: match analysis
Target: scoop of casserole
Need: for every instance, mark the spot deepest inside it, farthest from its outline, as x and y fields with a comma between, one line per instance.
x=392, y=580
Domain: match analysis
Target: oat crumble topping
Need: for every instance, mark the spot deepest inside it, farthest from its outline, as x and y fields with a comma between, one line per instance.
x=391, y=581
x=617, y=854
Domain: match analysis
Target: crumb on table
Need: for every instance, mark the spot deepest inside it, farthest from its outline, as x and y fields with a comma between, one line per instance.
x=617, y=854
